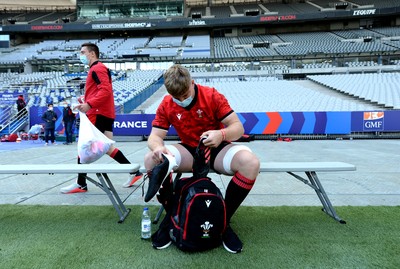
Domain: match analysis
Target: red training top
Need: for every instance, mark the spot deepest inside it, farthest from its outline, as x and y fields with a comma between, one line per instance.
x=205, y=113
x=99, y=93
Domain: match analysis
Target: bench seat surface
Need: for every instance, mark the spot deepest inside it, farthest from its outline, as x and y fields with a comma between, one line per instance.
x=298, y=167
x=305, y=166
x=68, y=168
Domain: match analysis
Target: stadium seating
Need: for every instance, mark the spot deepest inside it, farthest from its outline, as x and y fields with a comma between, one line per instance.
x=224, y=47
x=382, y=89
x=134, y=84
x=268, y=94
x=230, y=74
x=129, y=46
x=378, y=4
x=43, y=88
x=221, y=11
x=290, y=8
x=165, y=41
x=197, y=47
x=388, y=31
x=383, y=40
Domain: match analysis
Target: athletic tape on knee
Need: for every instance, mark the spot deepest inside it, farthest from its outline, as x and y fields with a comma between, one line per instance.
x=229, y=156
x=176, y=153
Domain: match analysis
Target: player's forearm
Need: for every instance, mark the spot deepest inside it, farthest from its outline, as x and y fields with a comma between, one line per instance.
x=155, y=142
x=233, y=131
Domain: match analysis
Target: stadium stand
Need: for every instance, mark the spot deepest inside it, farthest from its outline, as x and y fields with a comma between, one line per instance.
x=128, y=46
x=378, y=4
x=382, y=89
x=290, y=54
x=242, y=8
x=55, y=87
x=290, y=8
x=197, y=47
x=221, y=11
x=388, y=31
x=383, y=39
x=224, y=47
x=277, y=95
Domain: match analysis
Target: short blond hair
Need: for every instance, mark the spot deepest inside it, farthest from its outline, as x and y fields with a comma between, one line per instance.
x=177, y=80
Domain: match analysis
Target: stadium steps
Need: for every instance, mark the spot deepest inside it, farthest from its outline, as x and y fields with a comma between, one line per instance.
x=151, y=100
x=334, y=93
x=241, y=51
x=188, y=11
x=212, y=51
x=263, y=8
x=208, y=11
x=233, y=10
x=41, y=18
x=315, y=5
x=391, y=45
x=341, y=38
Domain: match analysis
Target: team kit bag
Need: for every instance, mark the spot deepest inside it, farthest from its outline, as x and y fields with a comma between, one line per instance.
x=197, y=217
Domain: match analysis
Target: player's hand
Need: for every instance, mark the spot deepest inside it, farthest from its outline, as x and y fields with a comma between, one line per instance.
x=82, y=107
x=157, y=154
x=212, y=138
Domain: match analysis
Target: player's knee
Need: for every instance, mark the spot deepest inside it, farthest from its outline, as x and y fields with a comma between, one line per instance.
x=248, y=159
x=246, y=163
x=253, y=163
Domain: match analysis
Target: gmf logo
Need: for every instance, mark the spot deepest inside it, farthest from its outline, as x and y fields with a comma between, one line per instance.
x=374, y=121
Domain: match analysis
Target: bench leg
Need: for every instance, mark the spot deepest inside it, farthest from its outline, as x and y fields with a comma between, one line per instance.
x=158, y=216
x=314, y=183
x=106, y=185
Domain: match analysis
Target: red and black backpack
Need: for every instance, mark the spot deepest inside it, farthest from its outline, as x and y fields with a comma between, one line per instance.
x=196, y=212
x=198, y=215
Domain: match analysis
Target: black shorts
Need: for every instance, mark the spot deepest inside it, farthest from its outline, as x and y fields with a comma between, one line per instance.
x=214, y=151
x=104, y=123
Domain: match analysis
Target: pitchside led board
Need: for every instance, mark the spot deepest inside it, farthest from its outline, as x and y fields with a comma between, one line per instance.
x=284, y=123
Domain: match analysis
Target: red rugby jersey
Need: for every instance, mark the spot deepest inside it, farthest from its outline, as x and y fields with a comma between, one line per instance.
x=205, y=113
x=99, y=92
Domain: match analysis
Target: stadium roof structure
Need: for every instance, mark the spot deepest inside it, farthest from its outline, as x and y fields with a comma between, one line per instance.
x=189, y=23
x=265, y=23
x=36, y=4
x=240, y=19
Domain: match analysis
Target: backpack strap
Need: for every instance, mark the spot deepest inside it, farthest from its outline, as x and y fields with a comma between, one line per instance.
x=201, y=162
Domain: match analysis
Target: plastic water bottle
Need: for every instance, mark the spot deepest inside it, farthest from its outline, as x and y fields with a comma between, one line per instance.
x=146, y=224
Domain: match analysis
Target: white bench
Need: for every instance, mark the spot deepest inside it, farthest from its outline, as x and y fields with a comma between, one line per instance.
x=310, y=169
x=100, y=170
x=312, y=180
